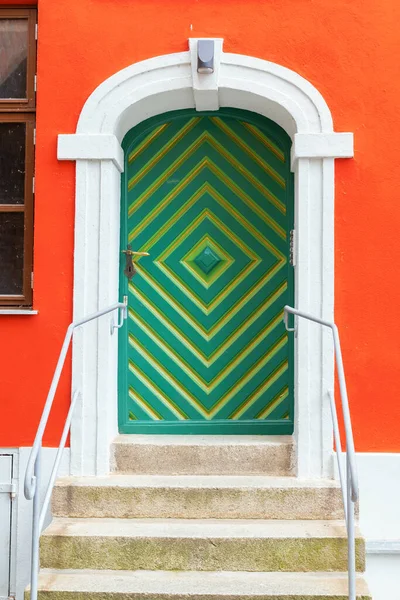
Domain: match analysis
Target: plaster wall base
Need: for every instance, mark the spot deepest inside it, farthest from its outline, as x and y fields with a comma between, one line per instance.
x=379, y=481
x=22, y=527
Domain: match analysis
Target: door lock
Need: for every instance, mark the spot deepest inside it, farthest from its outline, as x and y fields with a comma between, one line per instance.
x=130, y=270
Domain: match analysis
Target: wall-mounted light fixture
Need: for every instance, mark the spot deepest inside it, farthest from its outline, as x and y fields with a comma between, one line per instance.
x=205, y=56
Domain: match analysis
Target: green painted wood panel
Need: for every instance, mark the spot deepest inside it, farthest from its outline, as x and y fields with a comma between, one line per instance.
x=204, y=349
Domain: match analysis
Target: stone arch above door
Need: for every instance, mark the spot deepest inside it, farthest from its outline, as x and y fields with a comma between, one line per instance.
x=171, y=82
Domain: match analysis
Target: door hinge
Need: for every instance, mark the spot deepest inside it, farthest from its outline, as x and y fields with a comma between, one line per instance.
x=292, y=247
x=34, y=137
x=33, y=185
x=9, y=488
x=36, y=31
x=35, y=83
x=32, y=280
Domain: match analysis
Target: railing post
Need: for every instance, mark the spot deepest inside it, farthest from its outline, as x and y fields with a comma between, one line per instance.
x=351, y=546
x=35, y=528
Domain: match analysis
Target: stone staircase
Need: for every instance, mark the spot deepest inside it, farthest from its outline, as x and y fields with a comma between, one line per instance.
x=197, y=518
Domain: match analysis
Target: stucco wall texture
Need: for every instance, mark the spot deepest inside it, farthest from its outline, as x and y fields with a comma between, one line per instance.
x=349, y=50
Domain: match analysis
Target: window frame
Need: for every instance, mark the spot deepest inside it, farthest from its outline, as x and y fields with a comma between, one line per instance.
x=24, y=299
x=23, y=111
x=28, y=103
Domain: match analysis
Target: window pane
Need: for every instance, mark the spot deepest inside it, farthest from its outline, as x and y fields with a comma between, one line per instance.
x=12, y=163
x=13, y=58
x=11, y=253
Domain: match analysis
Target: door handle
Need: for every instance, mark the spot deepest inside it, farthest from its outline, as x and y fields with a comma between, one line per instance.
x=130, y=270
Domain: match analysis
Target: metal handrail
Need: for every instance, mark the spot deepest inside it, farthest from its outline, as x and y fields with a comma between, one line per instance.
x=350, y=492
x=33, y=469
x=32, y=475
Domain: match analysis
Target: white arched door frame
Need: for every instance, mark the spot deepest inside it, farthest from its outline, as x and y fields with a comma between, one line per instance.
x=171, y=82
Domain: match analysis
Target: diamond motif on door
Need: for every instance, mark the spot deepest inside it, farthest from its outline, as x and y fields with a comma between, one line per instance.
x=207, y=260
x=205, y=351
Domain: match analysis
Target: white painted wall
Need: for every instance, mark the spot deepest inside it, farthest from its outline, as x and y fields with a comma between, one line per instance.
x=6, y=474
x=379, y=481
x=379, y=478
x=379, y=475
x=383, y=575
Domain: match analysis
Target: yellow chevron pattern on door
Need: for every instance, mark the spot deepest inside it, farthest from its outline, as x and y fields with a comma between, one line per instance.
x=210, y=197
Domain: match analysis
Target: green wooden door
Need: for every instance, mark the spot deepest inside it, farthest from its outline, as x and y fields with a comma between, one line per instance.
x=204, y=349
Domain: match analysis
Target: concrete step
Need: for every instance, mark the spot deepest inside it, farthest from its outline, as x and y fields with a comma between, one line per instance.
x=203, y=455
x=162, y=585
x=197, y=545
x=197, y=497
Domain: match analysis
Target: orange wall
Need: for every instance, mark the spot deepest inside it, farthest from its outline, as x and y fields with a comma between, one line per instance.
x=349, y=50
